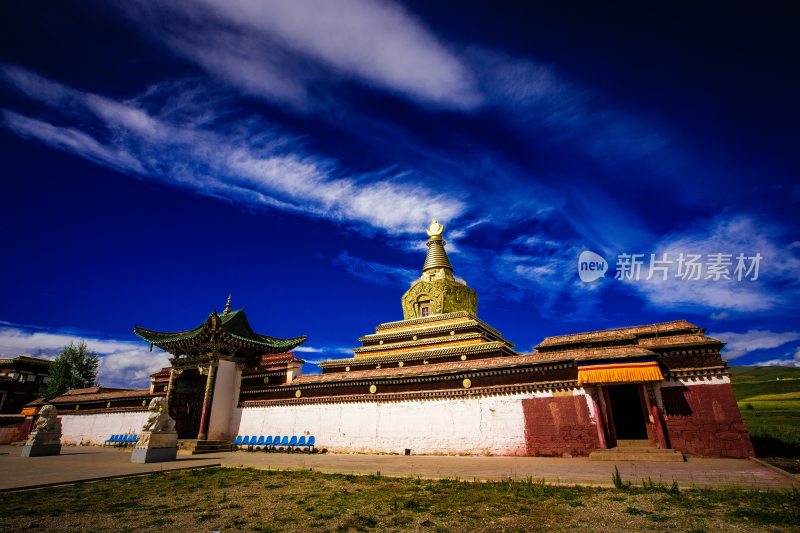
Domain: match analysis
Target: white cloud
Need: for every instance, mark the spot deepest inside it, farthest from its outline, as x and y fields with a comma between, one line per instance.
x=252, y=164
x=739, y=344
x=71, y=140
x=721, y=315
x=276, y=49
x=727, y=235
x=122, y=363
x=323, y=353
x=793, y=362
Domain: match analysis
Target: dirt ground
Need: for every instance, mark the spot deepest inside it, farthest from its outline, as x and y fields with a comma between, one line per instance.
x=215, y=499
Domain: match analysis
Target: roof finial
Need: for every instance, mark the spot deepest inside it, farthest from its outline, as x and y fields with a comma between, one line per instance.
x=436, y=257
x=227, y=306
x=435, y=228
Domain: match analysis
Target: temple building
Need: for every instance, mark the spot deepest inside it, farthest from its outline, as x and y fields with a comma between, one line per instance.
x=22, y=379
x=440, y=381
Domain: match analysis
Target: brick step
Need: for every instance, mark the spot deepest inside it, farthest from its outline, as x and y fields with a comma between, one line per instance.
x=633, y=443
x=211, y=446
x=194, y=444
x=198, y=451
x=207, y=443
x=636, y=454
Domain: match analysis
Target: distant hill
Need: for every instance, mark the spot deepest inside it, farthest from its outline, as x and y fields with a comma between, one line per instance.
x=749, y=381
x=763, y=373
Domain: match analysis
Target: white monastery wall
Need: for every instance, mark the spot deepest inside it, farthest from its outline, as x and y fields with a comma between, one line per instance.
x=491, y=425
x=95, y=429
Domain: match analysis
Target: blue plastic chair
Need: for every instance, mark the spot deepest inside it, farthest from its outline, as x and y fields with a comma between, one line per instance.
x=134, y=438
x=235, y=445
x=246, y=441
x=310, y=443
x=268, y=443
x=292, y=443
x=253, y=439
x=129, y=439
x=260, y=442
x=285, y=441
x=109, y=440
x=301, y=441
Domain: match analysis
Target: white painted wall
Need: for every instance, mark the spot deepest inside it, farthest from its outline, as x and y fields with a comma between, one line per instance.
x=95, y=429
x=224, y=400
x=491, y=425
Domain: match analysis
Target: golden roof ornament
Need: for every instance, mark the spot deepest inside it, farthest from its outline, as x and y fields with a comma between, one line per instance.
x=436, y=257
x=435, y=229
x=227, y=306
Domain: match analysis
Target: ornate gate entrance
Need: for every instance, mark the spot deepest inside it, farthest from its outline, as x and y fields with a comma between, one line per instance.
x=186, y=403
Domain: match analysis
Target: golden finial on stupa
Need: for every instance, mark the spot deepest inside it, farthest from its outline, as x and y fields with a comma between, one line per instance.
x=436, y=257
x=435, y=229
x=227, y=306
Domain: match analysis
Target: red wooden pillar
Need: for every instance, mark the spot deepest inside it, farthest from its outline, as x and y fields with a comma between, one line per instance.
x=601, y=433
x=658, y=421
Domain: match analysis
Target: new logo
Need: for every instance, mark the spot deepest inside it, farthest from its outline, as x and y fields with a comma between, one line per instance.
x=591, y=266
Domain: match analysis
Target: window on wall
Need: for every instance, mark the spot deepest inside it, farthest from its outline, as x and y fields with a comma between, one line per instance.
x=424, y=308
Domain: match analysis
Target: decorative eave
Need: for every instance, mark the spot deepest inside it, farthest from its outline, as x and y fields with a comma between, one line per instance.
x=422, y=320
x=375, y=349
x=268, y=363
x=593, y=354
x=422, y=355
x=25, y=359
x=619, y=334
x=428, y=325
x=217, y=331
x=413, y=374
x=679, y=342
x=502, y=390
x=697, y=373
x=86, y=398
x=428, y=330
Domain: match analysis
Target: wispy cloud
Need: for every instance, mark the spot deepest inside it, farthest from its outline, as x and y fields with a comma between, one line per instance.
x=254, y=163
x=542, y=269
x=375, y=272
x=740, y=344
x=276, y=49
x=315, y=354
x=122, y=363
x=779, y=269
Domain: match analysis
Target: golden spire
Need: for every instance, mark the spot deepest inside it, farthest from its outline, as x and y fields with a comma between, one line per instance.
x=436, y=257
x=227, y=306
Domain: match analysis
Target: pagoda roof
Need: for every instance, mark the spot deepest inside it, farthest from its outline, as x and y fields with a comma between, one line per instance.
x=231, y=328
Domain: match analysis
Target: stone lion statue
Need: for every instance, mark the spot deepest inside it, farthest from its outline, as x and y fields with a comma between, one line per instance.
x=47, y=419
x=159, y=419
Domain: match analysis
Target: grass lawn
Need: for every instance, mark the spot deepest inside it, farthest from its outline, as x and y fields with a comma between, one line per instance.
x=769, y=399
x=256, y=500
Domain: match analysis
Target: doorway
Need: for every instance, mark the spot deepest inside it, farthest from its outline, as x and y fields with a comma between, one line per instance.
x=626, y=409
x=187, y=403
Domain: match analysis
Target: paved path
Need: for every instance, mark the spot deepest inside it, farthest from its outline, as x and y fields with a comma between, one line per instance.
x=80, y=463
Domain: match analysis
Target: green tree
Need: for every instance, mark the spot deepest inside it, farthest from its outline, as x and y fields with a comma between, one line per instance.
x=75, y=367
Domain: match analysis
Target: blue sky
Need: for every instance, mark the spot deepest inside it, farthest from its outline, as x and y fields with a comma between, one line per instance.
x=156, y=159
